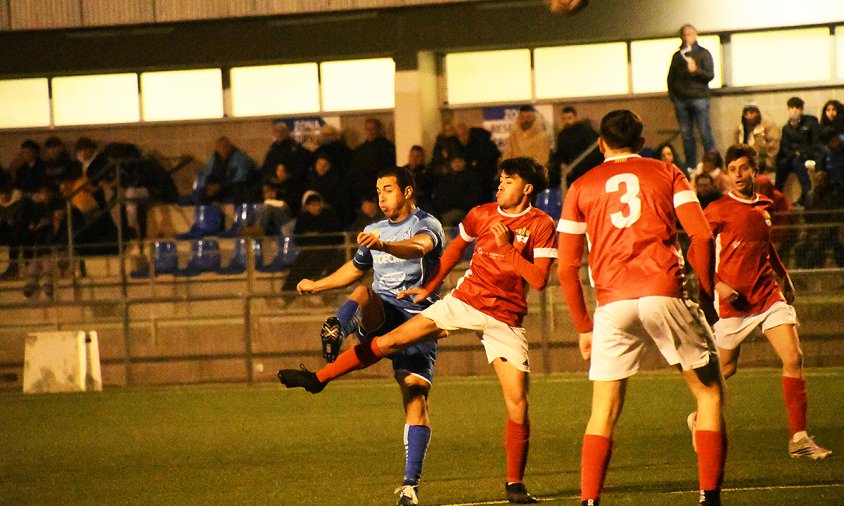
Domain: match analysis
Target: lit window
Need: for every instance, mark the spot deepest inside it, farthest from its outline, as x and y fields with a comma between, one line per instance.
x=561, y=71
x=355, y=85
x=783, y=56
x=97, y=99
x=650, y=60
x=275, y=89
x=24, y=103
x=488, y=76
x=839, y=50
x=182, y=94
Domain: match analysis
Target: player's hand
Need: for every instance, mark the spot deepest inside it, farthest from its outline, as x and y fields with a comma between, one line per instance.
x=306, y=286
x=503, y=235
x=726, y=292
x=788, y=290
x=585, y=343
x=370, y=240
x=418, y=293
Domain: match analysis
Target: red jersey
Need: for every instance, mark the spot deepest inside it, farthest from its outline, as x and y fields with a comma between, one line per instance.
x=626, y=208
x=742, y=229
x=491, y=285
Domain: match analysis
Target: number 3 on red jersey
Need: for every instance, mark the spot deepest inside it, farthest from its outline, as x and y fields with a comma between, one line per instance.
x=629, y=197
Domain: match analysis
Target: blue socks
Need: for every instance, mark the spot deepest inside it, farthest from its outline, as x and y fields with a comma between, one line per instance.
x=350, y=317
x=416, y=438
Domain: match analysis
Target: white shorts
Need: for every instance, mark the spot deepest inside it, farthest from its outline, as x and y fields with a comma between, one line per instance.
x=623, y=328
x=730, y=332
x=499, y=339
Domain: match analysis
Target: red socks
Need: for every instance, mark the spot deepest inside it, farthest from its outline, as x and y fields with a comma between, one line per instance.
x=711, y=455
x=516, y=442
x=794, y=392
x=359, y=357
x=594, y=460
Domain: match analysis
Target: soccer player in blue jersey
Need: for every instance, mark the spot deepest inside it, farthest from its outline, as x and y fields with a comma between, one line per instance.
x=404, y=251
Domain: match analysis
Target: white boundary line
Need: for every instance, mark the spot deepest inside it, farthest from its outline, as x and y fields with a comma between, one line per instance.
x=674, y=492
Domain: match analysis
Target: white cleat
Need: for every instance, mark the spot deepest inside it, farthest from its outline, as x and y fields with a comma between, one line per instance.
x=805, y=447
x=407, y=495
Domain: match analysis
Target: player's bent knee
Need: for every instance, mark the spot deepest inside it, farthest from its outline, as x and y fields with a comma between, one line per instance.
x=710, y=374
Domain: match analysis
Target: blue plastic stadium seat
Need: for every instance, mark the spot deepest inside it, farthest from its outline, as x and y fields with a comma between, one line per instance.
x=205, y=257
x=207, y=220
x=242, y=214
x=165, y=258
x=285, y=255
x=550, y=201
x=237, y=265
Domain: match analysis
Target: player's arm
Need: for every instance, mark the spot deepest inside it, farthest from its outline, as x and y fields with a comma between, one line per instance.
x=416, y=247
x=701, y=254
x=785, y=280
x=344, y=276
x=570, y=251
x=536, y=272
x=451, y=257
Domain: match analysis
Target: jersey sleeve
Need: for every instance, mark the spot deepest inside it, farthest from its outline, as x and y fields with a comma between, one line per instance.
x=430, y=227
x=545, y=245
x=363, y=257
x=468, y=227
x=683, y=192
x=572, y=220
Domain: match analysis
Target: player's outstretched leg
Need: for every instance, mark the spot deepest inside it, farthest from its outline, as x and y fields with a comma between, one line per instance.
x=301, y=378
x=360, y=356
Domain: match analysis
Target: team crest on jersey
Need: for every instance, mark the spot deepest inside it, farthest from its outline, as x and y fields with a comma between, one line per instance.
x=522, y=234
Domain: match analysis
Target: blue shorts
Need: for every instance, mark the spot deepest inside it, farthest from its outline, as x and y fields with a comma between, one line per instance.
x=417, y=359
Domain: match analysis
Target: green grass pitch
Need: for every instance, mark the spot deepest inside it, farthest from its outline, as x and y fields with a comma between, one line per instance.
x=232, y=444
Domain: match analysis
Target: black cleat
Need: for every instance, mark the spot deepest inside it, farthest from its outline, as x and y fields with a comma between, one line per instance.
x=518, y=494
x=332, y=337
x=710, y=497
x=303, y=378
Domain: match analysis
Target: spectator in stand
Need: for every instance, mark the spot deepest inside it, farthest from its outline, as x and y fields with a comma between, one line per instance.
x=831, y=161
x=57, y=161
x=573, y=140
x=667, y=153
x=332, y=145
x=94, y=165
x=11, y=223
x=30, y=173
x=325, y=181
x=368, y=212
x=228, y=177
x=528, y=137
x=760, y=133
x=481, y=155
x=713, y=164
x=832, y=115
x=688, y=79
x=814, y=244
x=423, y=176
x=273, y=217
x=287, y=188
x=286, y=150
x=457, y=191
x=445, y=147
x=318, y=232
x=375, y=153
x=800, y=143
x=706, y=190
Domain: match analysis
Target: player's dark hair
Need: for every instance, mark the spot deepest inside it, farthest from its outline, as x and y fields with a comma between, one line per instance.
x=737, y=151
x=528, y=169
x=403, y=176
x=622, y=128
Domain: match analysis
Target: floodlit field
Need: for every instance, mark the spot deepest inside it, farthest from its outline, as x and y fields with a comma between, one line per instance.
x=264, y=445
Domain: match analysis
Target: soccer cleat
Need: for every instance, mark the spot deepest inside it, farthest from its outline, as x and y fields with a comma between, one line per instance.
x=407, y=495
x=332, y=337
x=710, y=498
x=302, y=378
x=805, y=447
x=518, y=494
x=691, y=420
x=590, y=502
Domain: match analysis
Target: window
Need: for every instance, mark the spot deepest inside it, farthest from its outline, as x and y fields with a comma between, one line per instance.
x=355, y=85
x=580, y=71
x=488, y=76
x=783, y=56
x=182, y=94
x=839, y=51
x=650, y=60
x=24, y=103
x=95, y=99
x=275, y=89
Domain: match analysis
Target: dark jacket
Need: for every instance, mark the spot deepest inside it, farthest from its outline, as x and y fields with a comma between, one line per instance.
x=367, y=161
x=802, y=137
x=291, y=154
x=571, y=142
x=682, y=84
